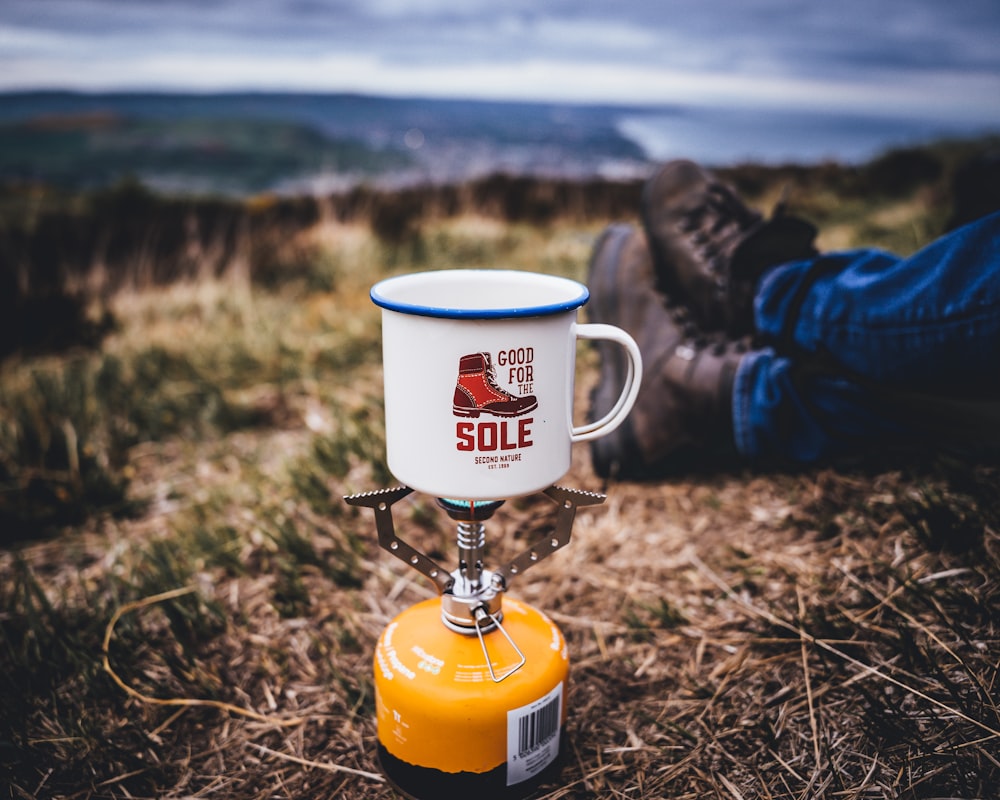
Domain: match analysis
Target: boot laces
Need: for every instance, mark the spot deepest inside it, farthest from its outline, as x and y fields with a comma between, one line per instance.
x=491, y=378
x=729, y=211
x=720, y=216
x=718, y=343
x=719, y=223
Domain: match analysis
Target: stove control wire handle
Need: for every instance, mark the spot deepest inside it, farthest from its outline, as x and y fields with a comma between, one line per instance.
x=494, y=622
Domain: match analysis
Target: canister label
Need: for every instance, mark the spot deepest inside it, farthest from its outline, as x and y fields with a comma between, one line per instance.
x=533, y=736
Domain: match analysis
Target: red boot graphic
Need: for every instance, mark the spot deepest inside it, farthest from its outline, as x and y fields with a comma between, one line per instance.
x=476, y=391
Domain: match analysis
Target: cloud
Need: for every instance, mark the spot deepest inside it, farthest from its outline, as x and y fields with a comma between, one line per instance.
x=855, y=52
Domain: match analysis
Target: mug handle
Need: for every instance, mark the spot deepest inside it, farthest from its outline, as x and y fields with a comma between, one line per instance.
x=633, y=377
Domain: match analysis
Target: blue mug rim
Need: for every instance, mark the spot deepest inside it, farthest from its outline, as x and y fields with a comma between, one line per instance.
x=379, y=298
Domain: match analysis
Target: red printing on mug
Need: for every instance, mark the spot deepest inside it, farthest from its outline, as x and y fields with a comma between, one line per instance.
x=477, y=392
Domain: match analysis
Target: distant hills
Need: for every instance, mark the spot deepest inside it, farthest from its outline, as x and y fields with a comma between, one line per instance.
x=188, y=154
x=239, y=143
x=246, y=143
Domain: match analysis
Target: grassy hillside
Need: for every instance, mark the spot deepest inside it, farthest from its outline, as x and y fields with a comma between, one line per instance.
x=199, y=154
x=63, y=253
x=188, y=609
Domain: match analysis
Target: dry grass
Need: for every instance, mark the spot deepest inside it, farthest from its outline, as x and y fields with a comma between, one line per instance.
x=824, y=633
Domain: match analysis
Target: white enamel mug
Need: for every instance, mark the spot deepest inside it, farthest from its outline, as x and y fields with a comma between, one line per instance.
x=479, y=369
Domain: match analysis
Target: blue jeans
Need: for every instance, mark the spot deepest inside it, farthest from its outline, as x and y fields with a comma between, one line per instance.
x=866, y=348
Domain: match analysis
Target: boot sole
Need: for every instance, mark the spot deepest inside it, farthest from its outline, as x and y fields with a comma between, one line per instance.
x=464, y=412
x=606, y=453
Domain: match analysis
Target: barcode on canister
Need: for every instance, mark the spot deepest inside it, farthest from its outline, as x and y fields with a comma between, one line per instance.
x=536, y=728
x=533, y=736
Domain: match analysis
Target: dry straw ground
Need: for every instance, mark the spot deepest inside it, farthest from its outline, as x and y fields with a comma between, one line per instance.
x=207, y=631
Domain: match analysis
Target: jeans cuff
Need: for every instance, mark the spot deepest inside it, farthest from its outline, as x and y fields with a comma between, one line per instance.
x=743, y=433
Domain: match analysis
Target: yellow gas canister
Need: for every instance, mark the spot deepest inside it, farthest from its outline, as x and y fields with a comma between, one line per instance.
x=464, y=711
x=470, y=687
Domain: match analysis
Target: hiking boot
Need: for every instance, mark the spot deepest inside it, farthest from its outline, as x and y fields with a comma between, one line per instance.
x=710, y=249
x=476, y=391
x=684, y=404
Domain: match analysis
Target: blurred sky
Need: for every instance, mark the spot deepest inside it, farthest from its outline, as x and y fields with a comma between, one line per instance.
x=893, y=56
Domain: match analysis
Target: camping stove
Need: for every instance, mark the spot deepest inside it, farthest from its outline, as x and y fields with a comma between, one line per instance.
x=470, y=686
x=479, y=374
